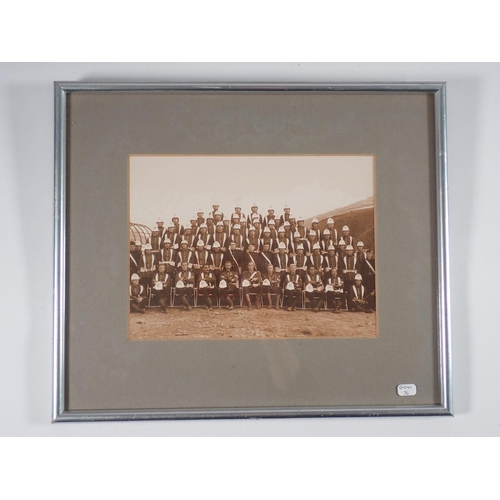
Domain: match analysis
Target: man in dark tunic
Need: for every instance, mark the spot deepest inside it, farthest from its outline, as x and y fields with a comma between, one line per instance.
x=184, y=284
x=293, y=288
x=137, y=296
x=271, y=286
x=251, y=282
x=206, y=286
x=314, y=289
x=357, y=298
x=228, y=284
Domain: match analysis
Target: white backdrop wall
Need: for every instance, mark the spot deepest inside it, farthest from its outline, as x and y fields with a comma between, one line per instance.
x=26, y=191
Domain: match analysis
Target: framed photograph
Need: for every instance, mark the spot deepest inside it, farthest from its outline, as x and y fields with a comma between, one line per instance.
x=230, y=251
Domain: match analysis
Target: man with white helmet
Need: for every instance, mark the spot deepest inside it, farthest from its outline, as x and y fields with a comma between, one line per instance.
x=360, y=252
x=252, y=238
x=216, y=210
x=316, y=260
x=349, y=266
x=174, y=238
x=206, y=286
x=168, y=256
x=210, y=225
x=300, y=260
x=331, y=229
x=254, y=212
x=315, y=228
x=341, y=249
x=286, y=215
x=184, y=285
x=148, y=266
x=292, y=287
x=326, y=241
x=266, y=257
x=193, y=224
x=134, y=261
x=273, y=232
x=288, y=230
x=216, y=260
x=368, y=274
x=251, y=255
x=294, y=243
x=161, y=228
x=239, y=213
x=280, y=239
x=270, y=216
x=237, y=237
x=190, y=237
x=177, y=227
x=346, y=236
x=220, y=235
x=314, y=288
x=137, y=295
x=265, y=238
x=155, y=239
x=357, y=298
x=228, y=284
x=162, y=284
x=184, y=254
x=301, y=227
x=199, y=258
x=200, y=217
x=271, y=282
x=312, y=239
x=282, y=260
x=334, y=288
x=251, y=283
x=234, y=256
x=205, y=237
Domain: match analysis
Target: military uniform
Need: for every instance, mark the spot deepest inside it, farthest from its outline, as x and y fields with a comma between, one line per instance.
x=184, y=284
x=314, y=291
x=335, y=297
x=251, y=282
x=206, y=287
x=137, y=298
x=228, y=285
x=162, y=295
x=271, y=285
x=292, y=289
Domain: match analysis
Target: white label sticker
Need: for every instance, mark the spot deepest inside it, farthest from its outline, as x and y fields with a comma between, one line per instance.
x=407, y=389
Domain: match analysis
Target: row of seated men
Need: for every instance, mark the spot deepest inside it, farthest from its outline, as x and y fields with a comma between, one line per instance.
x=347, y=292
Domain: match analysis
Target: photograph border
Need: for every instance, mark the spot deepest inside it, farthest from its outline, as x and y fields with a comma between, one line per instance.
x=59, y=410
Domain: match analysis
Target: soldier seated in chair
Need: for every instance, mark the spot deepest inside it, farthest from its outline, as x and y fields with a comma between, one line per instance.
x=271, y=285
x=184, y=284
x=252, y=283
x=137, y=295
x=228, y=284
x=206, y=286
x=314, y=289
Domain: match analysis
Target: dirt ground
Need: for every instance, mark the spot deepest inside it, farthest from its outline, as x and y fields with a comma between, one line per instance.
x=199, y=323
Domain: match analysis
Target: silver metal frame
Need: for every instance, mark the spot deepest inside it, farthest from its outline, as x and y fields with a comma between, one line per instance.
x=59, y=411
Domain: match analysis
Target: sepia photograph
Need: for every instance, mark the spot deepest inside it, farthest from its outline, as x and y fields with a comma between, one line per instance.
x=252, y=247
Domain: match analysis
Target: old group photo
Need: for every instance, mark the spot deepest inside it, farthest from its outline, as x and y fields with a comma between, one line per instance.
x=251, y=246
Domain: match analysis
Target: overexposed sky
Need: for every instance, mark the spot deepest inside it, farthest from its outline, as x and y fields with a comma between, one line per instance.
x=164, y=186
